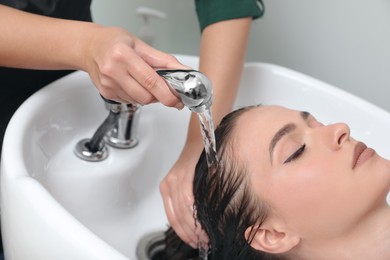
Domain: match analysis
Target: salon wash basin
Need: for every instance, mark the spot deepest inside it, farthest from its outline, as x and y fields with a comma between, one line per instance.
x=56, y=206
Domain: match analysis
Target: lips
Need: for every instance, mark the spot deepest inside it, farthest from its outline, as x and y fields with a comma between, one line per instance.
x=361, y=154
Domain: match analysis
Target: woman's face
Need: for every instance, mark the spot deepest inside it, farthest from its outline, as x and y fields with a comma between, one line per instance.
x=315, y=178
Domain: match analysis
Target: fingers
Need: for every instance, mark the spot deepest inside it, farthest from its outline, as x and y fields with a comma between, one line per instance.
x=125, y=89
x=154, y=87
x=124, y=75
x=111, y=91
x=123, y=67
x=178, y=204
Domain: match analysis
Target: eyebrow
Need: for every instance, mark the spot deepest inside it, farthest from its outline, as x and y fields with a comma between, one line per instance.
x=286, y=129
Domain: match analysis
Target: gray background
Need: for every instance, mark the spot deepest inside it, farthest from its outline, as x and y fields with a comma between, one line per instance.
x=342, y=42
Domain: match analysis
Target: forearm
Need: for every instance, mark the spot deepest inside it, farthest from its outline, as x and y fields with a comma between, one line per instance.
x=223, y=49
x=38, y=42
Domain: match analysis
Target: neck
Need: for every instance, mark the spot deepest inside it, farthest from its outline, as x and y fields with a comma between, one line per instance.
x=370, y=239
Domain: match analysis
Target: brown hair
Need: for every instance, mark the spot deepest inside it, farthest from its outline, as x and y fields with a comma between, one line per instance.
x=224, y=201
x=225, y=205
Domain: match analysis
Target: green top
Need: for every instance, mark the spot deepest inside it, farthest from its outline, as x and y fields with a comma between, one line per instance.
x=212, y=11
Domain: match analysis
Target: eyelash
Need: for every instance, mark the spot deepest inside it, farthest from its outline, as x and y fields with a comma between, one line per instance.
x=296, y=154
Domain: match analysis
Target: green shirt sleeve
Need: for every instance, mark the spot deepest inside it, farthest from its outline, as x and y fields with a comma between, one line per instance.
x=212, y=11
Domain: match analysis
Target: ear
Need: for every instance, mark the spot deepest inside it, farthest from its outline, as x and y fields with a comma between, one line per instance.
x=271, y=240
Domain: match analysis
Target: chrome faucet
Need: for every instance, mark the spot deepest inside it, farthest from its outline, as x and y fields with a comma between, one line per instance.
x=124, y=134
x=119, y=129
x=191, y=86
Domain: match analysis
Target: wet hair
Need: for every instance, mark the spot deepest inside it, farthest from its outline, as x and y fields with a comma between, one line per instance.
x=224, y=200
x=225, y=205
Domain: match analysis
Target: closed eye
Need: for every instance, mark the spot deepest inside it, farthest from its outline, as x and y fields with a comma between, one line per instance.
x=296, y=154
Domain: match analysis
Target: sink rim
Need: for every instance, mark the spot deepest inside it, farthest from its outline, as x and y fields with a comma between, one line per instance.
x=22, y=182
x=17, y=182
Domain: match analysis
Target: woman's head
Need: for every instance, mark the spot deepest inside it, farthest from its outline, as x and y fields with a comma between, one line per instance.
x=285, y=183
x=227, y=194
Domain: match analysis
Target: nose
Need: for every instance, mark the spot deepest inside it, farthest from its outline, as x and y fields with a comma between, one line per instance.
x=337, y=134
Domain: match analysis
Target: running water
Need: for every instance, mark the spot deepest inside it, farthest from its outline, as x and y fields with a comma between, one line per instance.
x=207, y=129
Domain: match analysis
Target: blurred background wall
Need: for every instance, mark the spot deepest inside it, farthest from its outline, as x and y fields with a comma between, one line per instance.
x=343, y=42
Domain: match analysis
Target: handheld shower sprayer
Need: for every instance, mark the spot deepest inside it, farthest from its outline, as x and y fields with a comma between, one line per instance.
x=192, y=87
x=119, y=129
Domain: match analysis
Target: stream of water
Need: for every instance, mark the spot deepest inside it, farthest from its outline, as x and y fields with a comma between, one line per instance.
x=207, y=129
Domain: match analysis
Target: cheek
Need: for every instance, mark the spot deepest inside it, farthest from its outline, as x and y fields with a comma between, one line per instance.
x=302, y=188
x=305, y=177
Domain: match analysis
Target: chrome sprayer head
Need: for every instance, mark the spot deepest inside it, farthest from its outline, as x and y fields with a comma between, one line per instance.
x=191, y=86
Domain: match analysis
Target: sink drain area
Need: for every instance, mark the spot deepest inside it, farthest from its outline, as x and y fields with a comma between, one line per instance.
x=151, y=246
x=165, y=245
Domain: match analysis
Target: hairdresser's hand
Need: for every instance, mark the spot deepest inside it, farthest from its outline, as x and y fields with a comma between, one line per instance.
x=177, y=193
x=176, y=190
x=122, y=68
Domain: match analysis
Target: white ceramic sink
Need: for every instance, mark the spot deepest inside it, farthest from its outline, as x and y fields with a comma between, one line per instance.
x=56, y=206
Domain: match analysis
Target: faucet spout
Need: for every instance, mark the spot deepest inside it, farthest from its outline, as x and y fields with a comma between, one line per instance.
x=192, y=87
